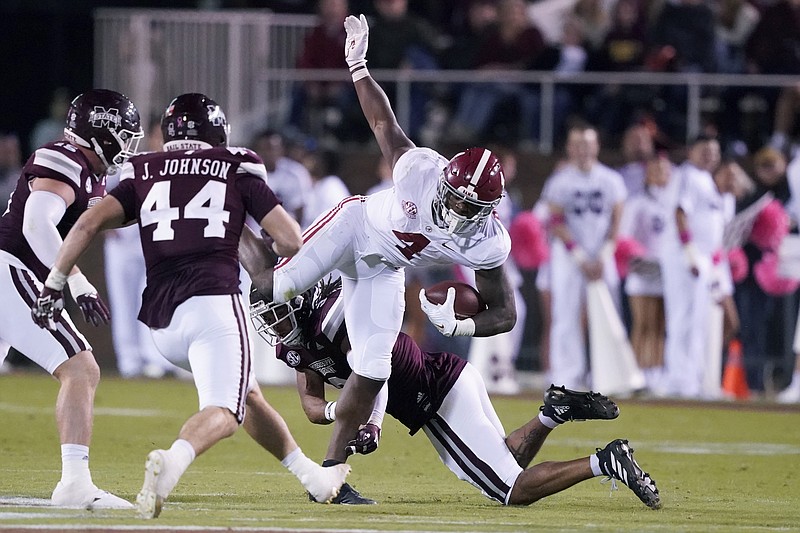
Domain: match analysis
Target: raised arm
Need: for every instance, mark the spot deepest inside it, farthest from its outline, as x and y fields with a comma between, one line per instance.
x=392, y=140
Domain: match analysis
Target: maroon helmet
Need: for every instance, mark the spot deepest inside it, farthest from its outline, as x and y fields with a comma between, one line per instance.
x=469, y=189
x=194, y=117
x=105, y=122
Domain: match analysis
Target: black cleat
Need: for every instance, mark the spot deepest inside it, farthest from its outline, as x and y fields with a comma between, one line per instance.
x=349, y=496
x=563, y=405
x=617, y=462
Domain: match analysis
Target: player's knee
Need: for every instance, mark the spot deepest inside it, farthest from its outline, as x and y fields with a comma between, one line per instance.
x=80, y=369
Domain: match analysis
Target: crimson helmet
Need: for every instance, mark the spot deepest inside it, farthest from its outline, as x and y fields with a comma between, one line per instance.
x=107, y=123
x=194, y=119
x=473, y=178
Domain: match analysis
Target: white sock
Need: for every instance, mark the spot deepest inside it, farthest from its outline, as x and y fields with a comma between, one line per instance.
x=182, y=453
x=594, y=462
x=547, y=421
x=75, y=464
x=297, y=463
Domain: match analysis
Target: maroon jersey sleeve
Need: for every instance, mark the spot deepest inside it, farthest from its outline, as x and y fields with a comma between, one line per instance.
x=58, y=161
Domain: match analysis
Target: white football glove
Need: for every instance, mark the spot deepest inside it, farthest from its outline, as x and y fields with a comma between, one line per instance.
x=443, y=316
x=355, y=46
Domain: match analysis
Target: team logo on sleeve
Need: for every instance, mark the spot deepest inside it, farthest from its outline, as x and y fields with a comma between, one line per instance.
x=293, y=358
x=410, y=209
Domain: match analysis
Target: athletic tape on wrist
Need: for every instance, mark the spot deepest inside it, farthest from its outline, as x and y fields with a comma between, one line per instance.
x=55, y=280
x=330, y=411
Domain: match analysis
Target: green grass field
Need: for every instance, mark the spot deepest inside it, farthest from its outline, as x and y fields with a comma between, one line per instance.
x=722, y=468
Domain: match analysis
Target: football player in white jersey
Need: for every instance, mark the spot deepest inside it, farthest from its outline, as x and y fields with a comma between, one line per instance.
x=692, y=238
x=437, y=212
x=585, y=201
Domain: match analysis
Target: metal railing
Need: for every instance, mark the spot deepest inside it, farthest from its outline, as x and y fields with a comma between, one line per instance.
x=245, y=60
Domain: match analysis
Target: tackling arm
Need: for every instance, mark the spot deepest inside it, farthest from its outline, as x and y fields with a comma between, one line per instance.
x=311, y=389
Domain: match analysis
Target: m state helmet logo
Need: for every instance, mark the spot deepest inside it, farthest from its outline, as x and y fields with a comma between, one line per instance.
x=105, y=118
x=293, y=358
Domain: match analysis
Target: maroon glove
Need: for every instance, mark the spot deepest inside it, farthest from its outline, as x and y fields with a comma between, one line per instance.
x=94, y=309
x=47, y=309
x=365, y=442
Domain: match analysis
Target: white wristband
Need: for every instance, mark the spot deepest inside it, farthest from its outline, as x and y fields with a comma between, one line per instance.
x=464, y=328
x=55, y=280
x=78, y=284
x=359, y=71
x=330, y=411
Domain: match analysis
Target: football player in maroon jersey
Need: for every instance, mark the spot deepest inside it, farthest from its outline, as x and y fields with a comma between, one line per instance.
x=58, y=183
x=445, y=396
x=190, y=202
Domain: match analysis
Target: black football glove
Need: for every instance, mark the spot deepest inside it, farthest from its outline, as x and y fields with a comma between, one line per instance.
x=47, y=309
x=365, y=442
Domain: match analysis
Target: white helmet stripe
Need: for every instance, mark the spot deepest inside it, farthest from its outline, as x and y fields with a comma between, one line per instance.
x=479, y=169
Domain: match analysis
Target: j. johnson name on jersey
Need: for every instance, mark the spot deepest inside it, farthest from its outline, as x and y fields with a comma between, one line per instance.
x=191, y=166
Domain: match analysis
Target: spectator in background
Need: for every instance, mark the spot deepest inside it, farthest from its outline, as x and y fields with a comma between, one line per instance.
x=764, y=329
x=643, y=221
x=400, y=40
x=593, y=18
x=638, y=150
x=693, y=235
x=585, y=202
x=791, y=394
x=51, y=128
x=623, y=50
x=568, y=56
x=324, y=107
x=468, y=41
x=734, y=21
x=288, y=178
x=774, y=48
x=513, y=43
x=686, y=28
x=327, y=188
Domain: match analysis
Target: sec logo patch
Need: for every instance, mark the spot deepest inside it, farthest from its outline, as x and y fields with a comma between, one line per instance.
x=293, y=358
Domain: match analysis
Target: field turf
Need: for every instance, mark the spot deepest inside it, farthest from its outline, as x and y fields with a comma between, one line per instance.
x=722, y=467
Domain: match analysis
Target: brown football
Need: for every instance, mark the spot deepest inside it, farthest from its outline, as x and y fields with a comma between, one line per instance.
x=468, y=300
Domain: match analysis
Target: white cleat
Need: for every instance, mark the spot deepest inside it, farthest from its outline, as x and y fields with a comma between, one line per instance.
x=323, y=483
x=86, y=497
x=156, y=486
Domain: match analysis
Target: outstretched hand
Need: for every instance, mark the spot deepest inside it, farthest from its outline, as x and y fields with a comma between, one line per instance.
x=355, y=45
